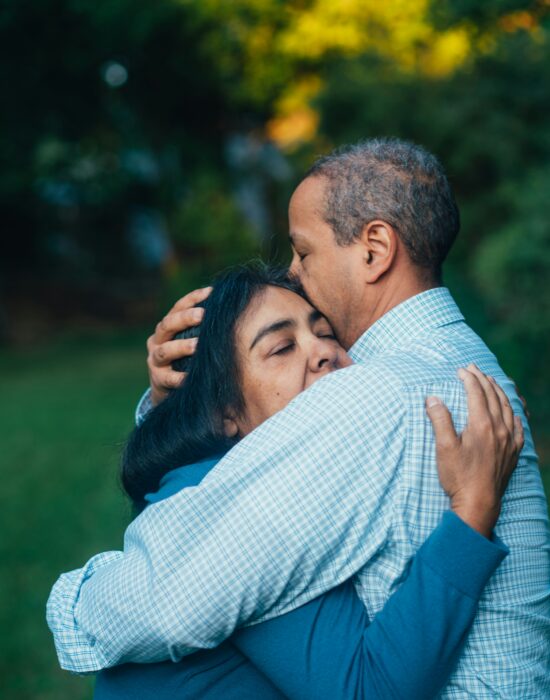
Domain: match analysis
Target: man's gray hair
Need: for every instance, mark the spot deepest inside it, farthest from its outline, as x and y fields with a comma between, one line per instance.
x=397, y=182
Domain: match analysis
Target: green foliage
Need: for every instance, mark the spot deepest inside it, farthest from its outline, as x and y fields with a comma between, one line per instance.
x=489, y=124
x=208, y=218
x=512, y=268
x=512, y=265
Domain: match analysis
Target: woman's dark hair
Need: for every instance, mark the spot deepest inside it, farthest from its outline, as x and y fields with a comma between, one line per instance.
x=188, y=425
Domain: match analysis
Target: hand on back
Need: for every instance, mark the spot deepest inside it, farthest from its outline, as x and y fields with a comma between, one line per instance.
x=475, y=466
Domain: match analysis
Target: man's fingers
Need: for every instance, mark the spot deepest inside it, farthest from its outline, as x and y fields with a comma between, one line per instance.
x=192, y=299
x=478, y=409
x=445, y=434
x=170, y=378
x=163, y=355
x=175, y=322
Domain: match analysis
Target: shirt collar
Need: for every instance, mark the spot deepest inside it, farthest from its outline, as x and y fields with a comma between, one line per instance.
x=410, y=319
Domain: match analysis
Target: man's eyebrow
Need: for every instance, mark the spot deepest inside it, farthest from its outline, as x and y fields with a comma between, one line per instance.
x=295, y=238
x=272, y=328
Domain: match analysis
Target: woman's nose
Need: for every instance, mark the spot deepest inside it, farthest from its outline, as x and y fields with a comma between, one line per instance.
x=323, y=356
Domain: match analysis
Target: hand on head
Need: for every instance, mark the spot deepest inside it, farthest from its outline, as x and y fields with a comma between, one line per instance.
x=163, y=349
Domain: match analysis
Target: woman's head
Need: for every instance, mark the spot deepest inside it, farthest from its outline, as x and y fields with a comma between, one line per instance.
x=260, y=344
x=282, y=346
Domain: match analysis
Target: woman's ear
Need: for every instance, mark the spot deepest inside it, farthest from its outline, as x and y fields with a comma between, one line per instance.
x=230, y=427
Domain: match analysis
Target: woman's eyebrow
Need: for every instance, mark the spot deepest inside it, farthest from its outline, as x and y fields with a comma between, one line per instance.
x=314, y=316
x=272, y=328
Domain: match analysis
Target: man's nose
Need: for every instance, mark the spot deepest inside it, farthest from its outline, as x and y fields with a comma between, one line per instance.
x=293, y=269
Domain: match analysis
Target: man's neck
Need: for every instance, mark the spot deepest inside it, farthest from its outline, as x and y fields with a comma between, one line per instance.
x=390, y=296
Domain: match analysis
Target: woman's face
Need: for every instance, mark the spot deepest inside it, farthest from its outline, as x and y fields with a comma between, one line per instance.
x=283, y=345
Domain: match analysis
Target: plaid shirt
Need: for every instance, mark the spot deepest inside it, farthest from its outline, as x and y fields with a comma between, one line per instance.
x=343, y=482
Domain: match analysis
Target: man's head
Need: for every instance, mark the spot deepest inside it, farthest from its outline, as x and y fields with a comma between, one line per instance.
x=370, y=225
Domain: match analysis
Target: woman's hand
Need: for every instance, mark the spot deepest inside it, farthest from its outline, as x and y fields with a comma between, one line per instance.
x=475, y=466
x=162, y=349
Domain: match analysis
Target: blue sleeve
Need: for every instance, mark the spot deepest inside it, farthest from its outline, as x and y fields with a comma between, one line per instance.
x=328, y=649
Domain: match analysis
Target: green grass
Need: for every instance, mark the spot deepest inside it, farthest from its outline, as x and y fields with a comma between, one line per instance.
x=64, y=412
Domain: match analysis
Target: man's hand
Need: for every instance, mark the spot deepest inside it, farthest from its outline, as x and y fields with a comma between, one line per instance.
x=162, y=349
x=475, y=467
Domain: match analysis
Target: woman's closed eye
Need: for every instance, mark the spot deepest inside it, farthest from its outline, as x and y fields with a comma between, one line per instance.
x=283, y=349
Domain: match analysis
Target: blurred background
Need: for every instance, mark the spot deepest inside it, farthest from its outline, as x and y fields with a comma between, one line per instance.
x=146, y=145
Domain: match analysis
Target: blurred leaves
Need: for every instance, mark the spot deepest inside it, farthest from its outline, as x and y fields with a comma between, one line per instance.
x=143, y=141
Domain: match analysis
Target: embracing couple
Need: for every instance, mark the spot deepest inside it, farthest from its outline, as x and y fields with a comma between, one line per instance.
x=336, y=538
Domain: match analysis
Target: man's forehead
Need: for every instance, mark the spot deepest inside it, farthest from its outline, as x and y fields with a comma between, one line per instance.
x=309, y=191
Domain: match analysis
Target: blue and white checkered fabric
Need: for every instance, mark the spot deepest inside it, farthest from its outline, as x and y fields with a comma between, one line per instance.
x=144, y=406
x=342, y=482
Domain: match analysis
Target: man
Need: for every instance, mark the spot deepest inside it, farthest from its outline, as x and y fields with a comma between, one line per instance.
x=342, y=481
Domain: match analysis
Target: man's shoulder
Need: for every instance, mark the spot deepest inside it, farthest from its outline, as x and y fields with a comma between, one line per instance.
x=360, y=383
x=431, y=358
x=394, y=372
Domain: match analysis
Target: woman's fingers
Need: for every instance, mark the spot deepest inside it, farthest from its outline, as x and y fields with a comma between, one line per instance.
x=475, y=467
x=479, y=416
x=493, y=401
x=442, y=422
x=519, y=436
x=505, y=406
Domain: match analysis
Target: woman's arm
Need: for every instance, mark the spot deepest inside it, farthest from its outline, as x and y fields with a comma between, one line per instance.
x=328, y=649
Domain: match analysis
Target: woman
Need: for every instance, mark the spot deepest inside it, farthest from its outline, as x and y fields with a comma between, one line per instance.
x=261, y=344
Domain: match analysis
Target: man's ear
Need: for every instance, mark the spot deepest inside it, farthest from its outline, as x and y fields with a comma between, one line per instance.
x=379, y=241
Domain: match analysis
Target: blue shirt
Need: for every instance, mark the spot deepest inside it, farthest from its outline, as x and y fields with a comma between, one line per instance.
x=327, y=649
x=341, y=482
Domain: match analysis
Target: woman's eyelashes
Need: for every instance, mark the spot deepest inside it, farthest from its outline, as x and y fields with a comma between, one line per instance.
x=290, y=345
x=284, y=349
x=323, y=330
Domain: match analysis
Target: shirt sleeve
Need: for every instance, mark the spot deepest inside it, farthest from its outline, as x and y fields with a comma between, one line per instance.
x=145, y=405
x=327, y=648
x=70, y=641
x=298, y=507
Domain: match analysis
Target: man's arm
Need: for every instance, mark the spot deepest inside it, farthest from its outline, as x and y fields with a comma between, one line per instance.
x=328, y=649
x=295, y=509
